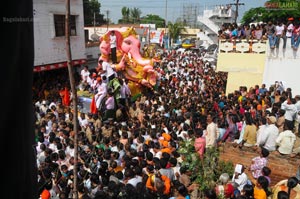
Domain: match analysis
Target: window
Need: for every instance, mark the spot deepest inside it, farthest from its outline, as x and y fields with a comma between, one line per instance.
x=59, y=23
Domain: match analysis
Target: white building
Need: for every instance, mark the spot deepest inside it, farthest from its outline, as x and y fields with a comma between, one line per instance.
x=211, y=21
x=49, y=34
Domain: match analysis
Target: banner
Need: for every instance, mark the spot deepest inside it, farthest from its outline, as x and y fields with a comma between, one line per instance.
x=156, y=36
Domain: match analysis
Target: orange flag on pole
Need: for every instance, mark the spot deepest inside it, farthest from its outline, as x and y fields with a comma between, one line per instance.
x=93, y=106
x=66, y=97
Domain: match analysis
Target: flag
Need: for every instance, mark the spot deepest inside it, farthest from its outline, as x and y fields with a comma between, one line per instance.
x=66, y=97
x=161, y=37
x=93, y=107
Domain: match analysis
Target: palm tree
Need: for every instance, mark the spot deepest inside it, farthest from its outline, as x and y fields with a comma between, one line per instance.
x=175, y=30
x=135, y=14
x=125, y=14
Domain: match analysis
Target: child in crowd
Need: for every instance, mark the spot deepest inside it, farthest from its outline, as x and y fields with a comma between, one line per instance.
x=199, y=142
x=266, y=171
x=259, y=162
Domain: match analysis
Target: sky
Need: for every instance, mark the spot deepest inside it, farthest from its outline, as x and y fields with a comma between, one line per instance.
x=174, y=7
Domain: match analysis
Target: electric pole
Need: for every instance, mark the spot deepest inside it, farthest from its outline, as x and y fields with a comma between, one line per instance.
x=94, y=22
x=107, y=22
x=74, y=95
x=236, y=4
x=166, y=17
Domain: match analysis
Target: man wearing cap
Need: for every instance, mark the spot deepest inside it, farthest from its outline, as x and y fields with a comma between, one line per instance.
x=270, y=134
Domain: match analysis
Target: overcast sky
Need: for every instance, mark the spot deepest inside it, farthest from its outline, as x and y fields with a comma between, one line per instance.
x=174, y=7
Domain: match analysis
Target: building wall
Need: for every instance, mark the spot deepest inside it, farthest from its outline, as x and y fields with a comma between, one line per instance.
x=48, y=48
x=244, y=69
x=263, y=66
x=93, y=52
x=101, y=30
x=283, y=65
x=282, y=167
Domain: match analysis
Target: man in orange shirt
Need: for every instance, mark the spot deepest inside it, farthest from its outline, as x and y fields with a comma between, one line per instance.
x=158, y=184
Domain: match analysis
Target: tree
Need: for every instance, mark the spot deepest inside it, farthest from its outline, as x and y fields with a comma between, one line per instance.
x=263, y=14
x=135, y=15
x=125, y=15
x=91, y=8
x=206, y=171
x=175, y=29
x=153, y=19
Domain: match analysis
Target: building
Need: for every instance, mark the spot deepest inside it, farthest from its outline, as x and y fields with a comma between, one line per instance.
x=211, y=21
x=49, y=34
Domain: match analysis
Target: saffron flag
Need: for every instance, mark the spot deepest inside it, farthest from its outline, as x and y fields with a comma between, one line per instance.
x=66, y=97
x=93, y=107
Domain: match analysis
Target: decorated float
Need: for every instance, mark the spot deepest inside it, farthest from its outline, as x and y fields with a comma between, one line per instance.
x=138, y=70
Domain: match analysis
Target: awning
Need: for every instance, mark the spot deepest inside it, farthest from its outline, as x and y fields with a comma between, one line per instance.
x=54, y=66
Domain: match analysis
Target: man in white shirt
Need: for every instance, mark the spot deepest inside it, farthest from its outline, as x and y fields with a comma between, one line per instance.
x=290, y=28
x=261, y=128
x=101, y=93
x=240, y=178
x=280, y=33
x=113, y=47
x=211, y=132
x=85, y=74
x=124, y=92
x=286, y=140
x=270, y=134
x=106, y=70
x=83, y=122
x=290, y=110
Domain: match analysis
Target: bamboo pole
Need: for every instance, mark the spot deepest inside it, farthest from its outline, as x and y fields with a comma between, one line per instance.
x=74, y=95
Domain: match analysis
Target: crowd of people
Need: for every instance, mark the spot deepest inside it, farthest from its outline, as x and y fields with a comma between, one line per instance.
x=132, y=150
x=273, y=32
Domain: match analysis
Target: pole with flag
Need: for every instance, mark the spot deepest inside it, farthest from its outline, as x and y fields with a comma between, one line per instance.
x=66, y=97
x=93, y=106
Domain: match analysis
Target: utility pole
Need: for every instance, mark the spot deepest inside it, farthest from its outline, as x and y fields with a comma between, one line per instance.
x=166, y=20
x=166, y=17
x=74, y=95
x=94, y=22
x=148, y=35
x=236, y=4
x=107, y=22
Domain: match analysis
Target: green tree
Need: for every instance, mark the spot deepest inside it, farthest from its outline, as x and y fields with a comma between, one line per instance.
x=125, y=15
x=135, y=15
x=153, y=19
x=206, y=171
x=91, y=8
x=263, y=14
x=174, y=30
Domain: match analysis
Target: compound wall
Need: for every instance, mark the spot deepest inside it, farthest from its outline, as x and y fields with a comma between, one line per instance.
x=283, y=65
x=248, y=65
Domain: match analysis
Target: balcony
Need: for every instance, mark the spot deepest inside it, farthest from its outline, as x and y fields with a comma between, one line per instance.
x=243, y=46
